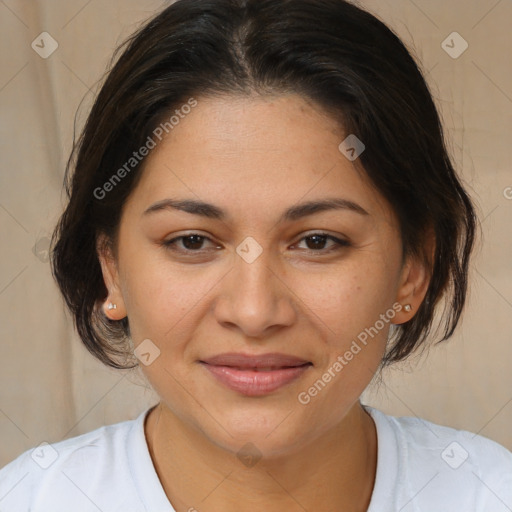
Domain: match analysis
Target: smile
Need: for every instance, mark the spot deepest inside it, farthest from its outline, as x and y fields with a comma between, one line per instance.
x=255, y=375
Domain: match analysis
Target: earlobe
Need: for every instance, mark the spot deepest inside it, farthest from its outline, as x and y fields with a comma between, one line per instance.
x=113, y=307
x=415, y=280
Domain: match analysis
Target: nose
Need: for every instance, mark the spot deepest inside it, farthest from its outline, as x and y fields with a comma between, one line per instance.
x=255, y=297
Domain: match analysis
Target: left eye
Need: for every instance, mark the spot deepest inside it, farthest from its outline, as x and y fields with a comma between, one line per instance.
x=321, y=238
x=193, y=243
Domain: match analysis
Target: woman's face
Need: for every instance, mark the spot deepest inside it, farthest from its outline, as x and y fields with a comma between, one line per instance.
x=254, y=280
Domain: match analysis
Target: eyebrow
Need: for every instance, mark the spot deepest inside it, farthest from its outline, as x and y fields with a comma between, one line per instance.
x=293, y=213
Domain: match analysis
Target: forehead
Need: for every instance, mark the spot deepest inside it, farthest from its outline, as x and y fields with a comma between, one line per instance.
x=251, y=153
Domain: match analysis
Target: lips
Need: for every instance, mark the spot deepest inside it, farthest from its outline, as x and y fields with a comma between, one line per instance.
x=255, y=375
x=257, y=362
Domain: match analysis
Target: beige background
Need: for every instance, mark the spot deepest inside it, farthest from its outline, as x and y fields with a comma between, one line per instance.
x=51, y=388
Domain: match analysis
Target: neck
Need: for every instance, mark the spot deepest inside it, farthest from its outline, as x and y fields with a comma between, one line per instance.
x=336, y=471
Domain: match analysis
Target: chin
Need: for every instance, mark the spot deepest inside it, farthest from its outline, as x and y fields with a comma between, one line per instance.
x=270, y=435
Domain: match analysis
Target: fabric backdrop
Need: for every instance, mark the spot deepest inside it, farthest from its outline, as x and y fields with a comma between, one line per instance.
x=51, y=388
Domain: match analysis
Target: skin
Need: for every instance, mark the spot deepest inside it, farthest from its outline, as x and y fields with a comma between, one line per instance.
x=254, y=157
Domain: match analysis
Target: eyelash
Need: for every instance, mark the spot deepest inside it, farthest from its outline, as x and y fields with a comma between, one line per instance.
x=339, y=244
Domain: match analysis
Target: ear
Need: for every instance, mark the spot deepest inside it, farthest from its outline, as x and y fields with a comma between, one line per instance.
x=414, y=281
x=111, y=278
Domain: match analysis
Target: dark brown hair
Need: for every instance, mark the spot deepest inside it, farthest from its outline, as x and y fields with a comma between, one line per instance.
x=330, y=51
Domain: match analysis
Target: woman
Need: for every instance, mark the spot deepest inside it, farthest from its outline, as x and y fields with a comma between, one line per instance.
x=263, y=213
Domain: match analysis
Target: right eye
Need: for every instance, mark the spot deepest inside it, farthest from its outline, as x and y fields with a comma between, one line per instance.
x=190, y=242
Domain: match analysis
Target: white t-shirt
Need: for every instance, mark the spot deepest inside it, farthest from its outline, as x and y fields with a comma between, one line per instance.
x=420, y=467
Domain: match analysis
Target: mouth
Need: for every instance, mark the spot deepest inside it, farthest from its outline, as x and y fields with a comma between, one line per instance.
x=256, y=375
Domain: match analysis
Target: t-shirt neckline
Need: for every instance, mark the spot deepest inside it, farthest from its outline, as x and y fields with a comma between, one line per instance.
x=386, y=475
x=153, y=496
x=143, y=470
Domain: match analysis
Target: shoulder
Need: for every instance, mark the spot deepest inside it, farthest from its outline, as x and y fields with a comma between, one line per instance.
x=456, y=448
x=69, y=471
x=442, y=461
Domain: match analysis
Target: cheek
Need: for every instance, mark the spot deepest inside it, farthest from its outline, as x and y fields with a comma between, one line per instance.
x=348, y=316
x=161, y=296
x=346, y=301
x=346, y=310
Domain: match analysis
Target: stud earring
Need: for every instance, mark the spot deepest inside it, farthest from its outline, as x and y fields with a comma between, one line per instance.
x=112, y=306
x=407, y=307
